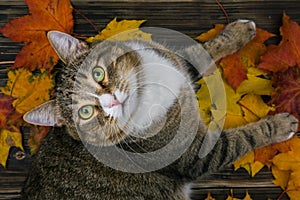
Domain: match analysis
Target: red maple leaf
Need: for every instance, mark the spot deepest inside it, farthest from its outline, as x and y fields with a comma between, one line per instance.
x=6, y=108
x=287, y=53
x=286, y=95
x=31, y=29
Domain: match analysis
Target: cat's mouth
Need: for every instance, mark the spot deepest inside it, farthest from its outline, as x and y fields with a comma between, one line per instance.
x=115, y=105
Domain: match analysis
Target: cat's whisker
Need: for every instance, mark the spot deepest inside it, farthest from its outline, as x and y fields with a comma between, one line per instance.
x=134, y=151
x=133, y=140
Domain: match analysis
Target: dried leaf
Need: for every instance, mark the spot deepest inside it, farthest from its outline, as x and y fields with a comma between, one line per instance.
x=283, y=162
x=37, y=134
x=266, y=154
x=254, y=104
x=287, y=53
x=231, y=197
x=247, y=197
x=209, y=197
x=238, y=112
x=286, y=167
x=212, y=33
x=234, y=71
x=114, y=28
x=286, y=96
x=235, y=66
x=294, y=195
x=7, y=140
x=31, y=29
x=29, y=90
x=247, y=162
x=281, y=177
x=6, y=108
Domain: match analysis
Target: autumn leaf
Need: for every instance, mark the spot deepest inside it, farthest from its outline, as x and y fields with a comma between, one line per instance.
x=266, y=154
x=29, y=90
x=37, y=133
x=287, y=53
x=6, y=108
x=114, y=29
x=244, y=104
x=212, y=33
x=231, y=196
x=286, y=170
x=286, y=96
x=7, y=140
x=31, y=29
x=248, y=162
x=235, y=66
x=209, y=197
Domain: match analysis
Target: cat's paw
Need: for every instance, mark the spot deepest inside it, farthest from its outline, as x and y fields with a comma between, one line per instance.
x=242, y=31
x=285, y=125
x=235, y=36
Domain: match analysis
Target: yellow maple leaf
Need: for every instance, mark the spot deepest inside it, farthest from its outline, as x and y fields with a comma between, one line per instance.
x=7, y=140
x=29, y=90
x=209, y=197
x=243, y=105
x=286, y=167
x=247, y=197
x=121, y=31
x=248, y=163
x=294, y=195
x=230, y=197
x=289, y=161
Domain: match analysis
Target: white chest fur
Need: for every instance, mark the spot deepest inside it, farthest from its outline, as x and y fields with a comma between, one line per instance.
x=161, y=83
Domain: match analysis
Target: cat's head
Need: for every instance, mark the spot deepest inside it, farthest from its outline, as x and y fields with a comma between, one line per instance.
x=110, y=91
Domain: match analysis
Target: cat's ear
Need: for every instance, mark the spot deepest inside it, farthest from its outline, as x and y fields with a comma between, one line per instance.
x=67, y=47
x=44, y=115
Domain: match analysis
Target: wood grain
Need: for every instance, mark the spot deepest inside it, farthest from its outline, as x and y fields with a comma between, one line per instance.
x=189, y=17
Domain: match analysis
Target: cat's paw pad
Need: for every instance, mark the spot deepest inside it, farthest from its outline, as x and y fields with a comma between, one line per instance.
x=286, y=125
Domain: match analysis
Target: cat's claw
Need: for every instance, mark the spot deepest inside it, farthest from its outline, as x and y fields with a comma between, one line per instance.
x=247, y=21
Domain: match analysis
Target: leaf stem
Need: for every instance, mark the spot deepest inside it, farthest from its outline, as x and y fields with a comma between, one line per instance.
x=281, y=195
x=224, y=11
x=87, y=19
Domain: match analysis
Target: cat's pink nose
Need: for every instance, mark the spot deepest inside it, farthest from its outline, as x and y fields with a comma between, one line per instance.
x=109, y=101
x=114, y=102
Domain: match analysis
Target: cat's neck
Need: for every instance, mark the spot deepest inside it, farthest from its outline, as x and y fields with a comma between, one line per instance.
x=164, y=82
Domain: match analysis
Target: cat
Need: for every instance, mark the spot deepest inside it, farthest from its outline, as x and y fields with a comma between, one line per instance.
x=104, y=98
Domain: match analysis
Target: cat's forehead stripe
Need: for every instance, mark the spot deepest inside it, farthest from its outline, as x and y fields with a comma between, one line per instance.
x=81, y=75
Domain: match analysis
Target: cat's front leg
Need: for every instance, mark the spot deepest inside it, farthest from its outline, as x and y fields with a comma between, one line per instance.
x=234, y=143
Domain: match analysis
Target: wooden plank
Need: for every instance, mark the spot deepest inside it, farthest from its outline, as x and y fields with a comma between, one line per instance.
x=189, y=17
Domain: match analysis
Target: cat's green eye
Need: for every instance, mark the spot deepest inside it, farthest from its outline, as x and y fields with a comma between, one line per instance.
x=98, y=74
x=86, y=112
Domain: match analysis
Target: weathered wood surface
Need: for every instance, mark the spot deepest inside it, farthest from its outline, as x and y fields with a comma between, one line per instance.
x=188, y=17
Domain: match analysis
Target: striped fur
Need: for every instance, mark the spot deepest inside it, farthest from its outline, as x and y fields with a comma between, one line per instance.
x=64, y=169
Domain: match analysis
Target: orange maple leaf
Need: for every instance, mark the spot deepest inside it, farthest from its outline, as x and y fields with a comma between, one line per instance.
x=287, y=53
x=212, y=33
x=266, y=154
x=31, y=29
x=235, y=66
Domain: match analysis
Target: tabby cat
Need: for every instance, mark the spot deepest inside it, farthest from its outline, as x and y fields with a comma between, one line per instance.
x=105, y=97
